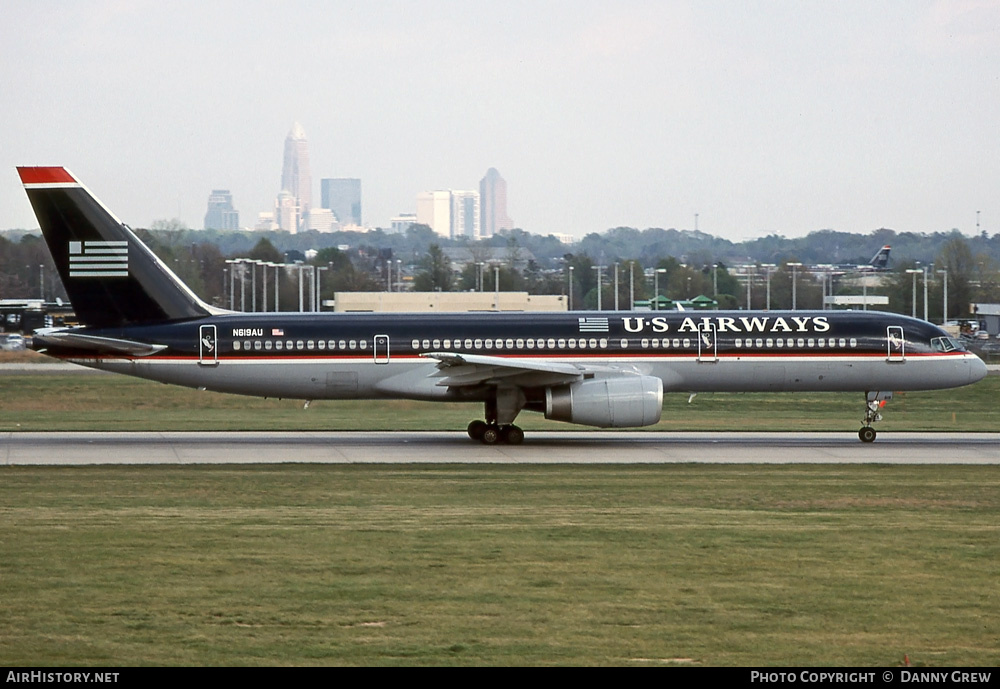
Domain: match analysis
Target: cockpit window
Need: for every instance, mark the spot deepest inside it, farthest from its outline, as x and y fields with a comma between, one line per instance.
x=946, y=344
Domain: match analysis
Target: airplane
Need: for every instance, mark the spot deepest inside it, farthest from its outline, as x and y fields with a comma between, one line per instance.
x=878, y=264
x=601, y=369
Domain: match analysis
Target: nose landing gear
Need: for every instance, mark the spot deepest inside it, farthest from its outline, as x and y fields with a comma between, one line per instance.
x=874, y=401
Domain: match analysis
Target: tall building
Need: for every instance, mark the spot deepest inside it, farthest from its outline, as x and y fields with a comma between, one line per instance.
x=493, y=204
x=295, y=178
x=342, y=196
x=434, y=210
x=221, y=215
x=464, y=214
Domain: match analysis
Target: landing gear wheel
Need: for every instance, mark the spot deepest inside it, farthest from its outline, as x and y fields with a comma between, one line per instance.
x=512, y=435
x=476, y=429
x=491, y=435
x=867, y=434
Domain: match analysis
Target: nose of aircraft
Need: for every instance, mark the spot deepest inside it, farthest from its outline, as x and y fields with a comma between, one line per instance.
x=977, y=369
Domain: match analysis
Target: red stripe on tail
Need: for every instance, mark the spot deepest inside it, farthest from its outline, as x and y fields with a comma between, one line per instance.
x=45, y=175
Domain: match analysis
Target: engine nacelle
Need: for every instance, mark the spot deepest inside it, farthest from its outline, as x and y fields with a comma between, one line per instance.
x=607, y=402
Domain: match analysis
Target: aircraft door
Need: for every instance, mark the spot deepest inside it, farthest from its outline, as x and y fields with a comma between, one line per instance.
x=208, y=346
x=895, y=344
x=381, y=349
x=708, y=345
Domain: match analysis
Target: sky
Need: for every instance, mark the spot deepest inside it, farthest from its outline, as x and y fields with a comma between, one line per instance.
x=760, y=117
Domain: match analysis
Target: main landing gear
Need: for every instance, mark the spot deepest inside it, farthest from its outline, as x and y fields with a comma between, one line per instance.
x=500, y=414
x=492, y=433
x=874, y=401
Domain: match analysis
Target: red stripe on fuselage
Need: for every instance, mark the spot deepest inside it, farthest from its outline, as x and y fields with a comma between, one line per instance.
x=45, y=175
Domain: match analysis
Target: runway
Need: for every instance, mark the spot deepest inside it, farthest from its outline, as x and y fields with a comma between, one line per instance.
x=589, y=447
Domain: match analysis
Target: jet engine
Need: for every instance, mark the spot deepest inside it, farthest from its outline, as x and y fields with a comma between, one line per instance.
x=615, y=402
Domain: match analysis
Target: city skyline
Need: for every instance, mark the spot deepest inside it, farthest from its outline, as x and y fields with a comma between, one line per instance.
x=776, y=117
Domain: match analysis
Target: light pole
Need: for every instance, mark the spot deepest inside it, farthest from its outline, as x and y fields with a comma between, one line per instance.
x=656, y=287
x=944, y=314
x=496, y=272
x=925, y=292
x=600, y=284
x=631, y=286
x=750, y=273
x=319, y=295
x=571, y=288
x=616, y=286
x=794, y=267
x=399, y=275
x=914, y=272
x=769, y=267
x=263, y=283
x=278, y=269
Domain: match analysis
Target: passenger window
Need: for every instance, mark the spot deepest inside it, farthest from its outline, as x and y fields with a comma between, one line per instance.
x=604, y=343
x=561, y=343
x=520, y=343
x=510, y=344
x=300, y=344
x=415, y=344
x=310, y=345
x=363, y=344
x=267, y=345
x=624, y=343
x=437, y=344
x=426, y=344
x=352, y=344
x=257, y=345
x=321, y=344
x=236, y=345
x=279, y=345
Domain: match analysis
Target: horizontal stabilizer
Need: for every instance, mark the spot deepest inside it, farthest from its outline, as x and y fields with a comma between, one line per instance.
x=93, y=343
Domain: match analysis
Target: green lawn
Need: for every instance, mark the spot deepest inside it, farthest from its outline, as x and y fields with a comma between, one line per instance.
x=109, y=402
x=500, y=565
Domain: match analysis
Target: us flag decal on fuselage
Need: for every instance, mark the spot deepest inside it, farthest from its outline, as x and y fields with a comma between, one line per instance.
x=98, y=259
x=593, y=325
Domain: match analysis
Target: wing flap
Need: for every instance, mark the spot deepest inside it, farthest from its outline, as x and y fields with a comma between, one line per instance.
x=462, y=370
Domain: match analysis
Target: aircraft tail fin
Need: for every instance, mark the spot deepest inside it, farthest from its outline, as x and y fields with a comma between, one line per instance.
x=111, y=277
x=881, y=259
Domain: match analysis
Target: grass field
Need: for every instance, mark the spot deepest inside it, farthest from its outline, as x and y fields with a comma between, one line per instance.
x=110, y=402
x=536, y=565
x=679, y=564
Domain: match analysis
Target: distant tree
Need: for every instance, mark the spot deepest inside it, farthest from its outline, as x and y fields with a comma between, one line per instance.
x=435, y=274
x=956, y=257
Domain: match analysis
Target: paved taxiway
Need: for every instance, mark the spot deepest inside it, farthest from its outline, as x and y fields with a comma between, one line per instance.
x=631, y=447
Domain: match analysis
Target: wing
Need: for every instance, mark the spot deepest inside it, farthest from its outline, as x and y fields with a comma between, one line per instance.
x=461, y=370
